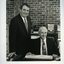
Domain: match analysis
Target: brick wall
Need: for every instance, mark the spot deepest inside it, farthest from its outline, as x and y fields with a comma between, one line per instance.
x=9, y=10
x=42, y=12
x=9, y=16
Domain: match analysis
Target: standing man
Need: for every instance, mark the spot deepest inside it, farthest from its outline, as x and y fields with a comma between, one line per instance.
x=20, y=33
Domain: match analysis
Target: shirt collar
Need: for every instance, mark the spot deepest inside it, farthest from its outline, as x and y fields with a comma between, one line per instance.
x=44, y=39
x=23, y=17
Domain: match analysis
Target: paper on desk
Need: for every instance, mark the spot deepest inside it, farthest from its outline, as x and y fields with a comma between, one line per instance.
x=38, y=57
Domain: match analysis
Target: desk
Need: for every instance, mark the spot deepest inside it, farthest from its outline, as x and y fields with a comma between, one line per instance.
x=38, y=58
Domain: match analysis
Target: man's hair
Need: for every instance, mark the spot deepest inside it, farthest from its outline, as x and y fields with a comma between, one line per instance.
x=25, y=5
x=42, y=28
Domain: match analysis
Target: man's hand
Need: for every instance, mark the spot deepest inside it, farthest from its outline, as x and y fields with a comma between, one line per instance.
x=56, y=57
x=11, y=55
x=29, y=53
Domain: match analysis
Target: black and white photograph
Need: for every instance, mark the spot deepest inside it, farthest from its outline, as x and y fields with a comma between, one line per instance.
x=33, y=30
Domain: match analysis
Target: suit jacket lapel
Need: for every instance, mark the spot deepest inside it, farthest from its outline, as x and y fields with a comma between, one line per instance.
x=22, y=23
x=39, y=45
x=47, y=44
x=28, y=21
x=49, y=47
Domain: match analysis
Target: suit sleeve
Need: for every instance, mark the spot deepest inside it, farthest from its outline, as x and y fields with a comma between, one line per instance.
x=55, y=49
x=12, y=35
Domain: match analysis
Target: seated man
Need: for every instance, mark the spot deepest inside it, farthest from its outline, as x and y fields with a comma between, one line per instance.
x=44, y=45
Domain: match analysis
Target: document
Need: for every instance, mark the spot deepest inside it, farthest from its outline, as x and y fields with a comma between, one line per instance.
x=39, y=57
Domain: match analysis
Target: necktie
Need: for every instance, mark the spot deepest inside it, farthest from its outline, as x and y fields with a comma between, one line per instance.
x=26, y=24
x=43, y=48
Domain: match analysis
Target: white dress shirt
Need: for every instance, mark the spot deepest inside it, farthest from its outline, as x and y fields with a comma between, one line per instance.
x=41, y=50
x=23, y=19
x=25, y=22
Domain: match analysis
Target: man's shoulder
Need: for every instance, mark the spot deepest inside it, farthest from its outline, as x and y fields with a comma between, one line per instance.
x=50, y=38
x=37, y=39
x=15, y=17
x=28, y=17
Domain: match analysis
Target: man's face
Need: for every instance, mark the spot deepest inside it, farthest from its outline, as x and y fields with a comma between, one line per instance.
x=43, y=33
x=24, y=11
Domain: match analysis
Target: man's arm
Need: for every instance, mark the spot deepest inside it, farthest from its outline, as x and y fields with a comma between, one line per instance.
x=12, y=39
x=55, y=49
x=12, y=35
x=56, y=54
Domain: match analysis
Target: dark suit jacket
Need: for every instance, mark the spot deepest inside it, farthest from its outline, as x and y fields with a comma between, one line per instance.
x=51, y=47
x=18, y=36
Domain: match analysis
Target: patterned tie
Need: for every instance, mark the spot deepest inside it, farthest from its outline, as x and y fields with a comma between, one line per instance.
x=26, y=24
x=43, y=48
